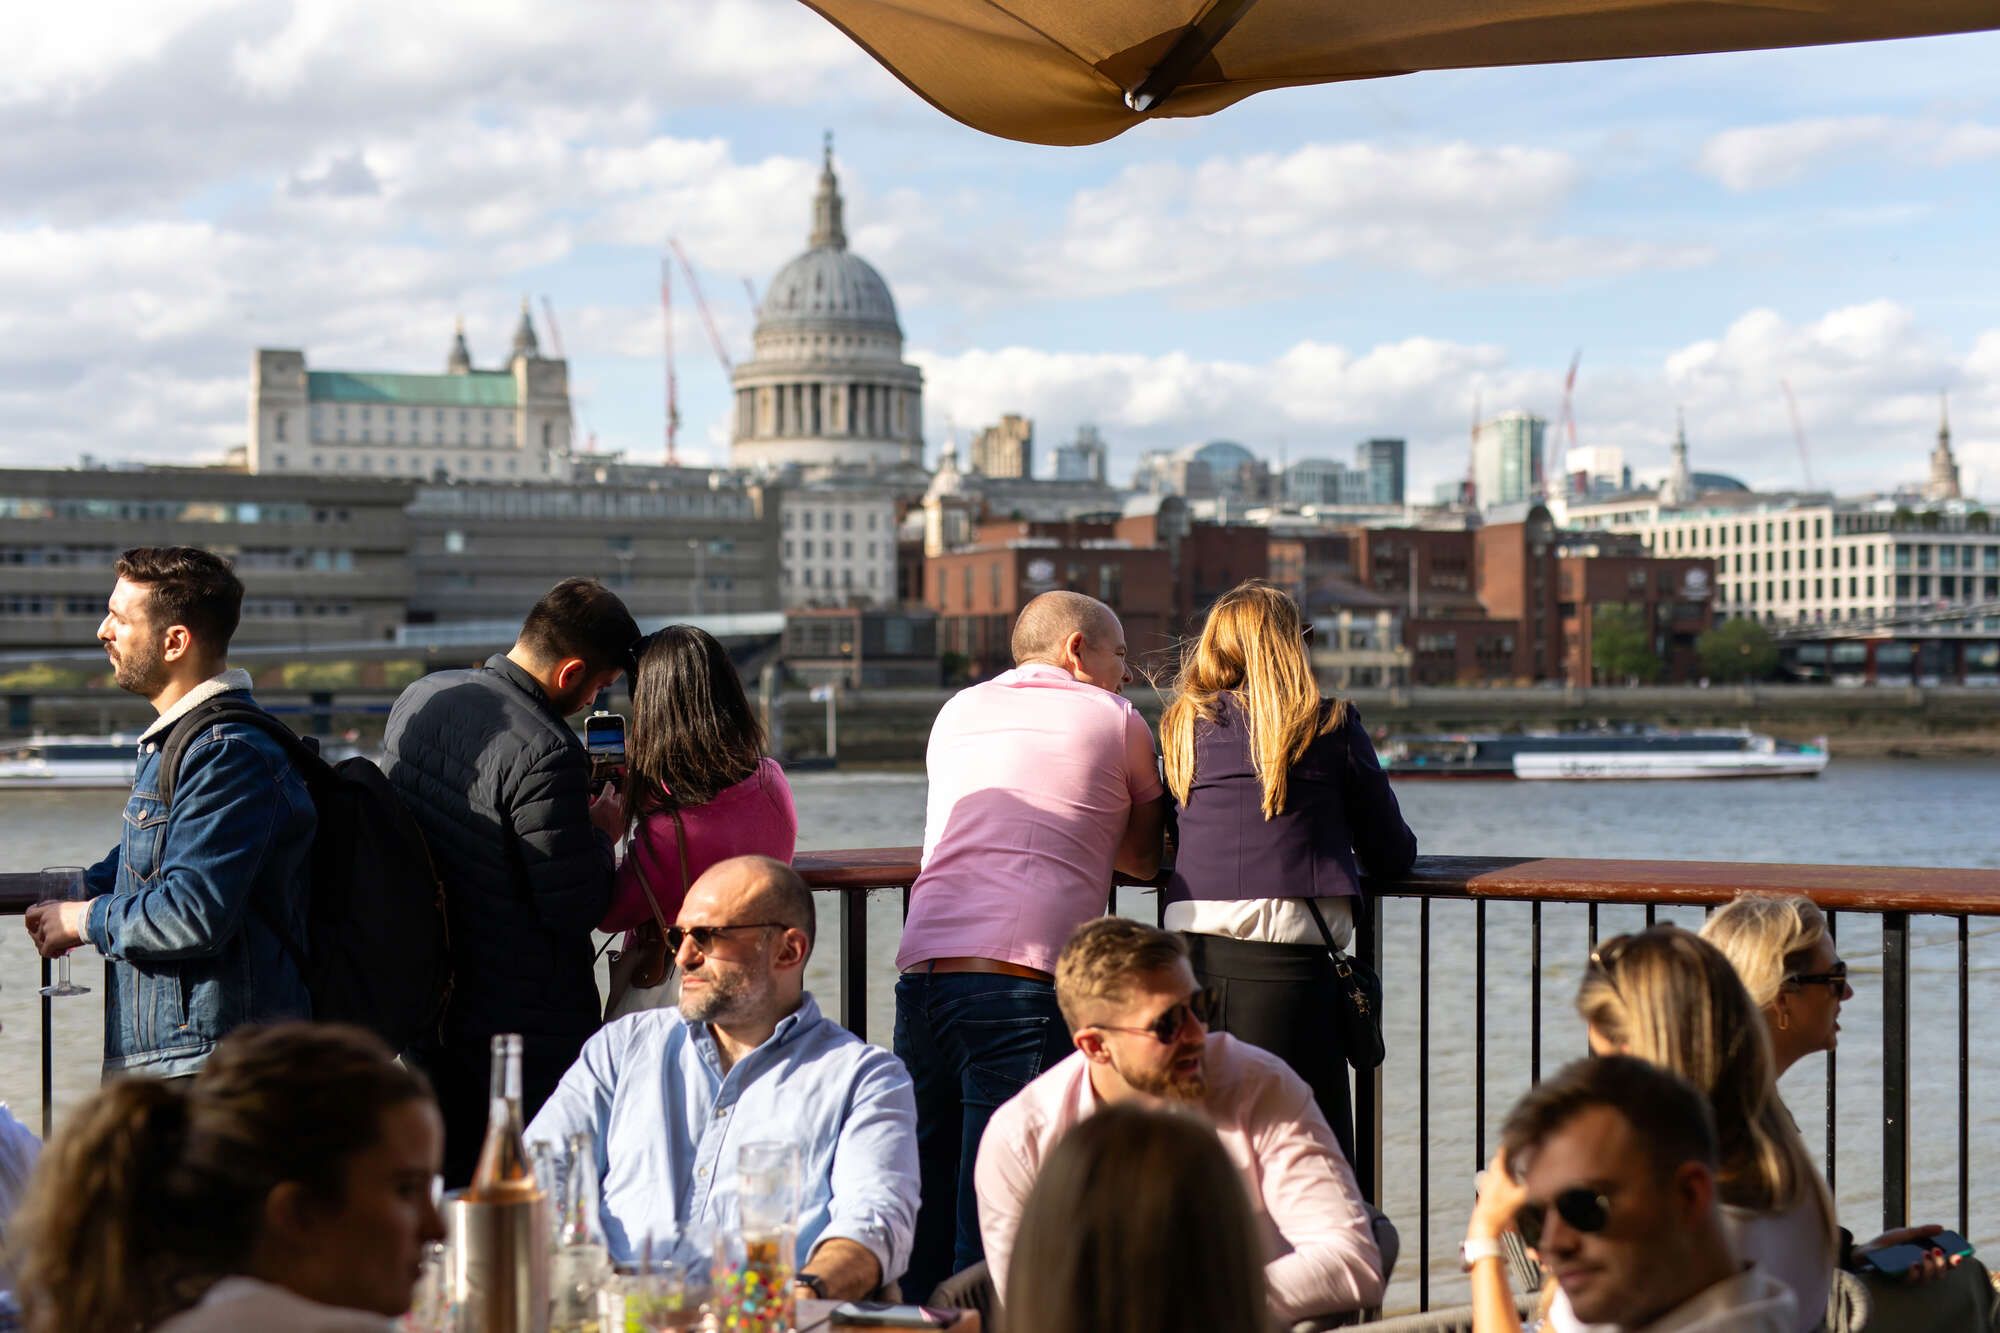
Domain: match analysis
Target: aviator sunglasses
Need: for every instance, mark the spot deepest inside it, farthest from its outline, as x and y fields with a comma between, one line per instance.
x=1583, y=1208
x=704, y=936
x=1167, y=1026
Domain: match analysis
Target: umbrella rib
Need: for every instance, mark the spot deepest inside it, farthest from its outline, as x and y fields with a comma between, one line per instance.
x=1196, y=42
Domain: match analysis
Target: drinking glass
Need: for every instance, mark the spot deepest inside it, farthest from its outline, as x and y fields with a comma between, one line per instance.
x=767, y=1185
x=63, y=884
x=752, y=1276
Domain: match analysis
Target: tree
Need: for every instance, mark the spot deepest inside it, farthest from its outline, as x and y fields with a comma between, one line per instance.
x=1739, y=649
x=1621, y=643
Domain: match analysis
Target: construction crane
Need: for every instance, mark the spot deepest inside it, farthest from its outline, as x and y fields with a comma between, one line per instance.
x=701, y=304
x=1798, y=431
x=1569, y=396
x=555, y=340
x=673, y=385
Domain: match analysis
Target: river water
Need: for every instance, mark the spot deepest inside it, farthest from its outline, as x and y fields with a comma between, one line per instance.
x=1860, y=812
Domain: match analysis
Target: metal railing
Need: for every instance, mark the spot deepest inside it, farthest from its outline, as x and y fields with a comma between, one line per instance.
x=1894, y=894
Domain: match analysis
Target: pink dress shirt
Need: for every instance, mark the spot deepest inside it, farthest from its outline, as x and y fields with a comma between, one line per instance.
x=754, y=817
x=1320, y=1255
x=1033, y=776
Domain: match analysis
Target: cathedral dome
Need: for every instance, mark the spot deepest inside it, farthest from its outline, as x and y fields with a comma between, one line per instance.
x=827, y=286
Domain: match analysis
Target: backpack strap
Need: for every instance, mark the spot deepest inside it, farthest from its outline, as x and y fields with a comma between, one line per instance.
x=304, y=756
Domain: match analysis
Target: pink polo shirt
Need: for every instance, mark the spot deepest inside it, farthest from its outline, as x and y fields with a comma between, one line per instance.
x=1033, y=776
x=1317, y=1237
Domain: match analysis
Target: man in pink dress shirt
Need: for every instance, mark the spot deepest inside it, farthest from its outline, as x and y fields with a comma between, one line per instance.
x=1043, y=780
x=1136, y=1017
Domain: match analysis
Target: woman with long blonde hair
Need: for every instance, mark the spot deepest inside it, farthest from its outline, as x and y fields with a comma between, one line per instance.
x=1282, y=806
x=1669, y=997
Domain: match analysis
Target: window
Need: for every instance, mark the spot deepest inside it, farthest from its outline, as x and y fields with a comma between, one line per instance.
x=278, y=429
x=454, y=542
x=847, y=520
x=788, y=548
x=1923, y=557
x=846, y=550
x=806, y=520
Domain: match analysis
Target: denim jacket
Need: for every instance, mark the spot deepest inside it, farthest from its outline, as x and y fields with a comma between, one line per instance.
x=183, y=903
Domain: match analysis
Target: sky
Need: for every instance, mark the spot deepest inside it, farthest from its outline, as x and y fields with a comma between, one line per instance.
x=182, y=181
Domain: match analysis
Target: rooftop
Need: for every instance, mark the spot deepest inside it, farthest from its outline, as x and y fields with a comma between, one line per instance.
x=477, y=388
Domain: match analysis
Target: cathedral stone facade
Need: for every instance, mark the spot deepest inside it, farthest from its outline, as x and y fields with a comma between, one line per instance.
x=827, y=384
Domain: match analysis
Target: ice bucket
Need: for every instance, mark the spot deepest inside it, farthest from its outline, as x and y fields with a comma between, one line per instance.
x=497, y=1270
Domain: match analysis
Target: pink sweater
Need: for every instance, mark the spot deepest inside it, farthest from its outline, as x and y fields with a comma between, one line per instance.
x=754, y=817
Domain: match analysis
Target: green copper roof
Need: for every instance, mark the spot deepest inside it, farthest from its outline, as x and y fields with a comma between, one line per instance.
x=481, y=388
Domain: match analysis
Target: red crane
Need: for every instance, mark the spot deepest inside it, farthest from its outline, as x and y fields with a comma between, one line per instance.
x=701, y=304
x=1798, y=431
x=673, y=385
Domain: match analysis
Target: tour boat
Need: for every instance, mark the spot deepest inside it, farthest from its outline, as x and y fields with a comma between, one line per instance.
x=69, y=761
x=1626, y=752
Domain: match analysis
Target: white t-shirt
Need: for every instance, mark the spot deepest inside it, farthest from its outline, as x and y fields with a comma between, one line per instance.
x=245, y=1305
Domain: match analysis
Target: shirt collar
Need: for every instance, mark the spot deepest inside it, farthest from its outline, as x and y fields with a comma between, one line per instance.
x=1751, y=1287
x=220, y=683
x=806, y=1016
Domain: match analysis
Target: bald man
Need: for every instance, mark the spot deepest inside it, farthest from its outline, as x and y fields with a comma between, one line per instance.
x=671, y=1096
x=1042, y=781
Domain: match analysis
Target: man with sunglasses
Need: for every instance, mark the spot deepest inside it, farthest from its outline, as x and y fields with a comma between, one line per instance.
x=1140, y=1031
x=1608, y=1170
x=670, y=1096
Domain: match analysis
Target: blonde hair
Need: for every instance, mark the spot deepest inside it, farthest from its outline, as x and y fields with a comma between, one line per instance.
x=1138, y=1223
x=1766, y=939
x=1103, y=957
x=1250, y=647
x=1669, y=997
x=154, y=1190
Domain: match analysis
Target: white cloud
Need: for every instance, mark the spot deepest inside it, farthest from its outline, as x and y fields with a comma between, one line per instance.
x=1762, y=156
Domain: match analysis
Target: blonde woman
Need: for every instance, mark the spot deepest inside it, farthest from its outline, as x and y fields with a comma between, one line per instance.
x=1282, y=807
x=1138, y=1223
x=1785, y=956
x=1670, y=998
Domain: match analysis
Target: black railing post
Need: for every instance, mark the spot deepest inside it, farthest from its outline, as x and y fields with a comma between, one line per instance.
x=1832, y=1093
x=1479, y=1036
x=1964, y=1076
x=1895, y=1070
x=1424, y=1104
x=1368, y=1083
x=1535, y=993
x=854, y=961
x=49, y=1055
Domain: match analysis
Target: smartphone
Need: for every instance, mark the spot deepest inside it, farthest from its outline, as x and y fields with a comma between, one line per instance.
x=875, y=1314
x=1953, y=1244
x=1895, y=1260
x=604, y=737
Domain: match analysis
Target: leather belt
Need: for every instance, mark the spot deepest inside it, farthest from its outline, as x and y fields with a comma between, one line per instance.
x=990, y=965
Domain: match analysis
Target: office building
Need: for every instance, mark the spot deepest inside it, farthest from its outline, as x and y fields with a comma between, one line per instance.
x=1005, y=449
x=1083, y=458
x=1381, y=461
x=1507, y=459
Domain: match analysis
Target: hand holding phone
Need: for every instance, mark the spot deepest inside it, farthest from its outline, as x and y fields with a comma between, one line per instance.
x=604, y=742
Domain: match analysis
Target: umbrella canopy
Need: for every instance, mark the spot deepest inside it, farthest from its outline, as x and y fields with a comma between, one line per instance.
x=1082, y=71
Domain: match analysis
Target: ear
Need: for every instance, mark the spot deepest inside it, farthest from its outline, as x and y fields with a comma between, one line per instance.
x=288, y=1211
x=1072, y=646
x=1091, y=1042
x=569, y=672
x=792, y=948
x=176, y=643
x=1693, y=1190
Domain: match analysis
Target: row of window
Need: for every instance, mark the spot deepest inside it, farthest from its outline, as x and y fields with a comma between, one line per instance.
x=826, y=579
x=321, y=559
x=825, y=549
x=487, y=416
x=41, y=604
x=1952, y=587
x=170, y=511
x=418, y=467
x=288, y=608
x=846, y=520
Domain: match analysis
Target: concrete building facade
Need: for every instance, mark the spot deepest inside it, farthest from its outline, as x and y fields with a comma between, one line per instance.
x=1006, y=448
x=838, y=545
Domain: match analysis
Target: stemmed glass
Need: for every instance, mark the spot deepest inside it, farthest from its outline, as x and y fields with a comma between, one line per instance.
x=63, y=884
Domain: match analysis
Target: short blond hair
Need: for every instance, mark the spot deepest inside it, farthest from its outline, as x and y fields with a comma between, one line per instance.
x=1766, y=939
x=1102, y=958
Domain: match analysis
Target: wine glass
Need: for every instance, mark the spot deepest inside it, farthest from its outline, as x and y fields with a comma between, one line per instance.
x=63, y=884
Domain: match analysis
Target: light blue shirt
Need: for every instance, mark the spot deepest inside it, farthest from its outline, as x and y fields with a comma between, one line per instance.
x=668, y=1123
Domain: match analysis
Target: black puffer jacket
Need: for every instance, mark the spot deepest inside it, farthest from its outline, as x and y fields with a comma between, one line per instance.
x=501, y=786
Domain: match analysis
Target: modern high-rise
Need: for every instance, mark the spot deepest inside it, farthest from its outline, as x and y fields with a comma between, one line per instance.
x=1006, y=448
x=1083, y=458
x=1382, y=460
x=1507, y=459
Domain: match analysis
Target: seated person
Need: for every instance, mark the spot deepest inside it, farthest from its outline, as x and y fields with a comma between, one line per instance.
x=671, y=1095
x=1128, y=995
x=1609, y=1170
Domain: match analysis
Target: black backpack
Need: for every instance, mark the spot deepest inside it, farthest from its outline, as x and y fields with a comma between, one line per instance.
x=378, y=952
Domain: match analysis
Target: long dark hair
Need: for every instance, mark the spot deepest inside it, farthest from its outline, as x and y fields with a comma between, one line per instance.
x=155, y=1189
x=694, y=734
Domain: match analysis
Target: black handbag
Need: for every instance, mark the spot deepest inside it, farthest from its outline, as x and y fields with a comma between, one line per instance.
x=1358, y=1013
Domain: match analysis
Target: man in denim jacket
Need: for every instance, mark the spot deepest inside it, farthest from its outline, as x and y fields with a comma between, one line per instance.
x=188, y=906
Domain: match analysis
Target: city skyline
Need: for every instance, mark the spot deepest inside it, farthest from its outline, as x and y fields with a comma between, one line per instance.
x=1310, y=269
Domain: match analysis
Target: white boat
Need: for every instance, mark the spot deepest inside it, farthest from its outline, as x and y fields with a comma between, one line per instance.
x=45, y=762
x=1687, y=754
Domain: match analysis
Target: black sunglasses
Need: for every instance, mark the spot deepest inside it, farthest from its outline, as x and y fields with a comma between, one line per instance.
x=1167, y=1026
x=1583, y=1208
x=1834, y=979
x=704, y=936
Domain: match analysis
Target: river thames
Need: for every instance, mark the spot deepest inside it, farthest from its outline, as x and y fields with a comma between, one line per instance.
x=1861, y=812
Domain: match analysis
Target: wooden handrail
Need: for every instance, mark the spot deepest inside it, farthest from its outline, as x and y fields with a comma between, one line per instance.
x=1938, y=889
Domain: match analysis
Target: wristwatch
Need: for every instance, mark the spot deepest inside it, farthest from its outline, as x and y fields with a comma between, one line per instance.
x=1474, y=1248
x=814, y=1283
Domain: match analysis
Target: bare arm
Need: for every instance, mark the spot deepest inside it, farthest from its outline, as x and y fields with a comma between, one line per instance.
x=1500, y=1195
x=1139, y=849
x=847, y=1268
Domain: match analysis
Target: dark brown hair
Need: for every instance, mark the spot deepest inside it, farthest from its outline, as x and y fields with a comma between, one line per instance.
x=1138, y=1223
x=694, y=734
x=1669, y=1116
x=155, y=1189
x=187, y=586
x=581, y=618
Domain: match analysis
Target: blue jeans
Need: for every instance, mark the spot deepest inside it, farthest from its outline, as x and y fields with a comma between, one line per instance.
x=971, y=1040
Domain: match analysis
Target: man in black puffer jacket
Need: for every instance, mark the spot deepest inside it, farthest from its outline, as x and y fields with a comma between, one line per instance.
x=488, y=764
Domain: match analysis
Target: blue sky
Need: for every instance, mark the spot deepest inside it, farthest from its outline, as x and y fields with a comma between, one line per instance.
x=185, y=180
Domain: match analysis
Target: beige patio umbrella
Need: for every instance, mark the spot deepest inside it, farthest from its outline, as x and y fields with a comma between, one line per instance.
x=1082, y=71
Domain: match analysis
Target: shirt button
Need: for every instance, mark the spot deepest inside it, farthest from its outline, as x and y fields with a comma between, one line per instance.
x=721, y=1112
x=701, y=1174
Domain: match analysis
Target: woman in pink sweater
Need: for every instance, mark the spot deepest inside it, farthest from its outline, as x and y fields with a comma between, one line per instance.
x=696, y=781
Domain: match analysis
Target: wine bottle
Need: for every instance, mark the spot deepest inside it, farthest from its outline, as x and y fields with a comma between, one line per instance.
x=504, y=1174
